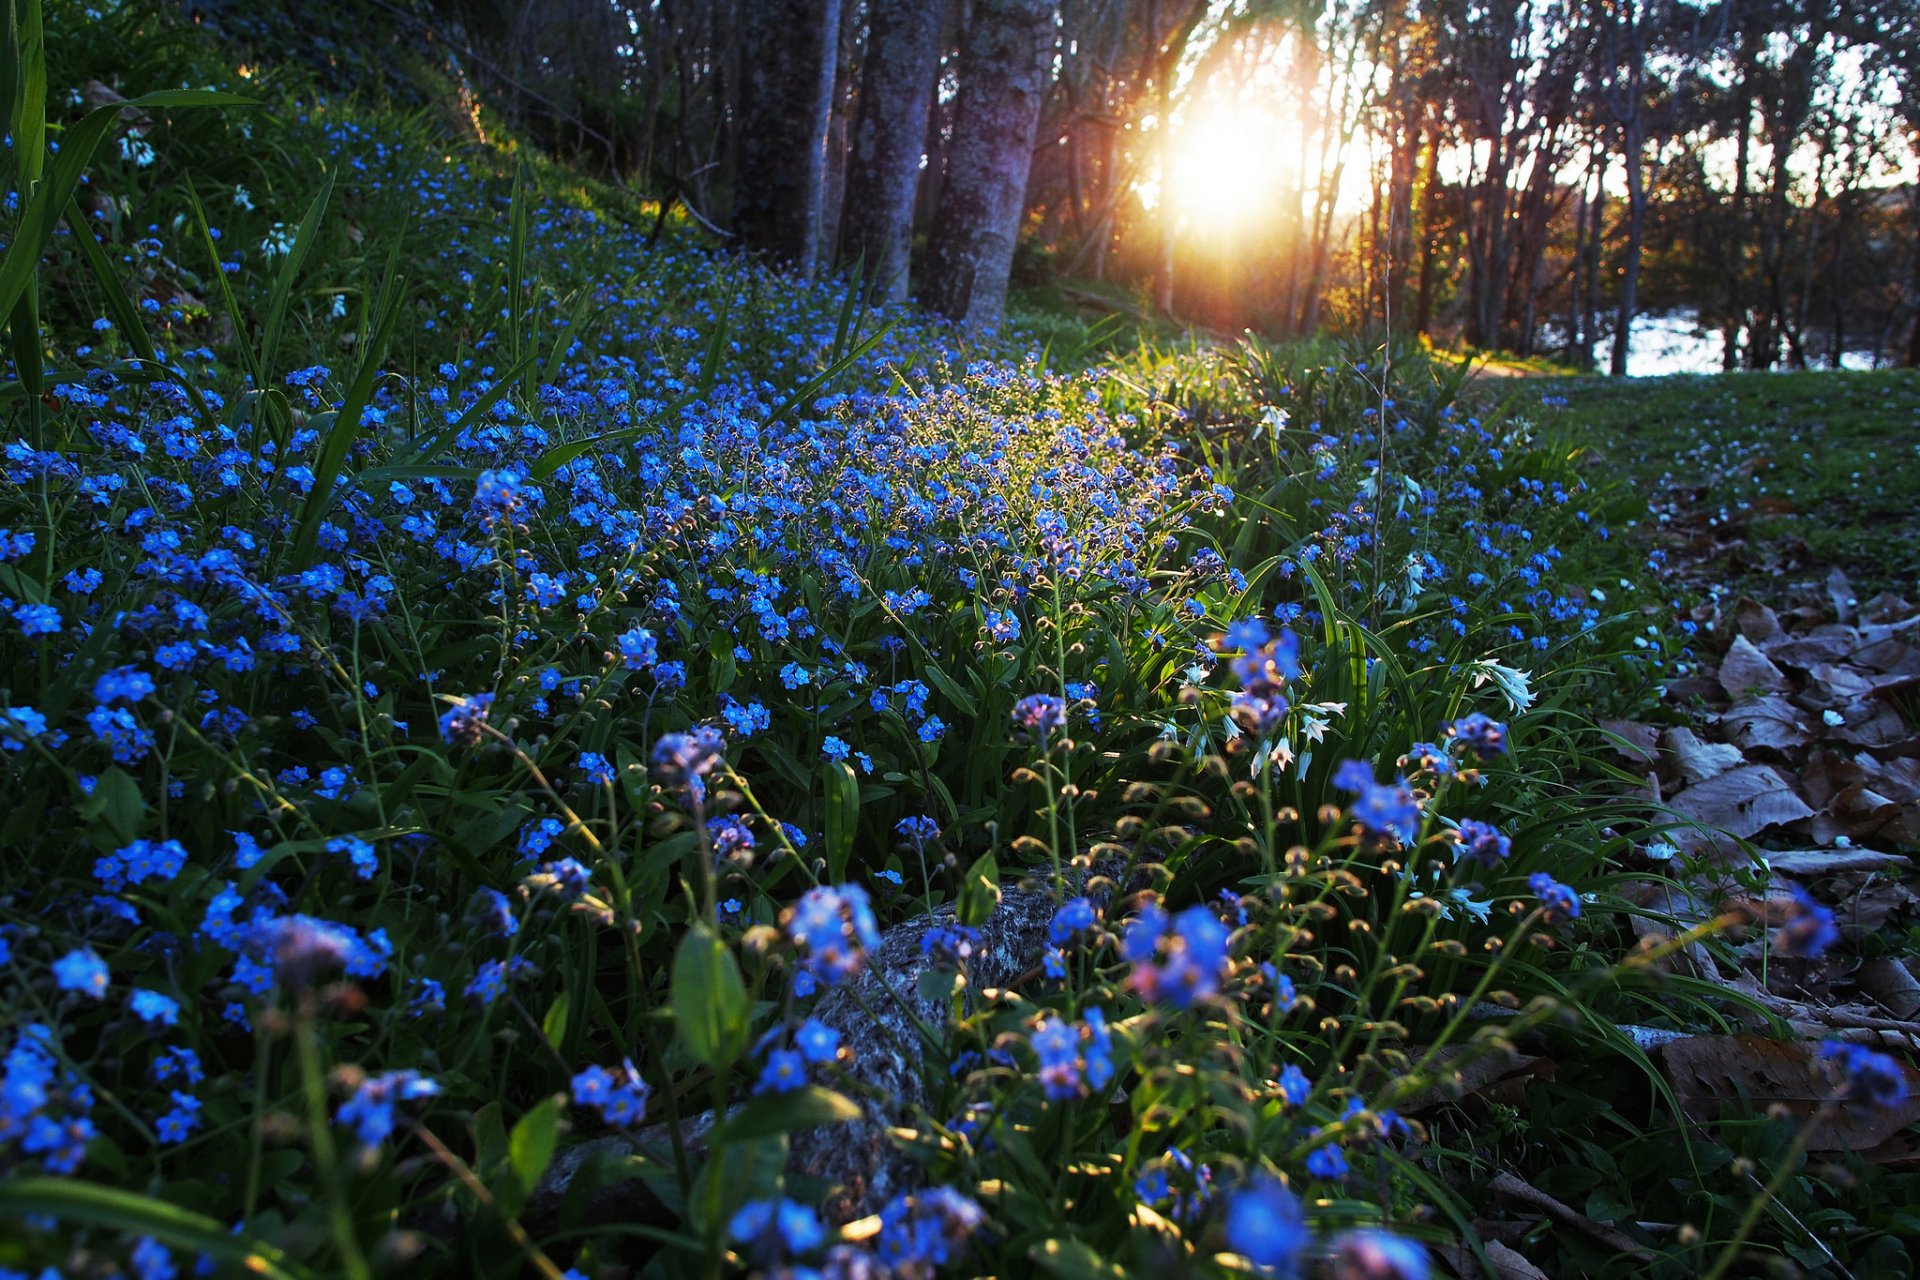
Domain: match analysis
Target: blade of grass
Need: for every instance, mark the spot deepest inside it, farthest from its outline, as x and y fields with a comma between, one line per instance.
x=248, y=355
x=451, y=432
x=282, y=295
x=71, y=1200
x=346, y=423
x=517, y=337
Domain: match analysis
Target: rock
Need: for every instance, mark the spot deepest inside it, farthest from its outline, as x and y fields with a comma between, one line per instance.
x=881, y=1050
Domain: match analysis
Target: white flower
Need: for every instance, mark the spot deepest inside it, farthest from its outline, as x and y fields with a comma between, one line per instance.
x=1480, y=911
x=1833, y=718
x=1511, y=683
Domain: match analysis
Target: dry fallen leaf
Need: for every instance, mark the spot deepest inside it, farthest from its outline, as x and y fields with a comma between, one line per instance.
x=1822, y=862
x=1746, y=670
x=1804, y=652
x=1862, y=814
x=1698, y=761
x=1840, y=592
x=1886, y=607
x=1507, y=1265
x=1755, y=621
x=1893, y=984
x=1460, y=1070
x=1639, y=743
x=1767, y=725
x=1743, y=801
x=1871, y=723
x=1723, y=1076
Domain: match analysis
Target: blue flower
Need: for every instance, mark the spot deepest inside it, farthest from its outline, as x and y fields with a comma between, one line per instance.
x=1480, y=843
x=1075, y=917
x=1265, y=1225
x=785, y=1071
x=618, y=1094
x=1192, y=958
x=359, y=854
x=37, y=619
x=370, y=1111
x=1485, y=738
x=638, y=651
x=1376, y=1255
x=1872, y=1078
x=1327, y=1162
x=82, y=971
x=461, y=724
x=1381, y=811
x=684, y=759
x=919, y=1233
x=818, y=1042
x=1040, y=713
x=835, y=928
x=1808, y=931
x=153, y=1007
x=1557, y=901
x=775, y=1228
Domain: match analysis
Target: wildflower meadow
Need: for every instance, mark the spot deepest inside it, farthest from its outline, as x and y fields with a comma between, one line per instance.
x=535, y=745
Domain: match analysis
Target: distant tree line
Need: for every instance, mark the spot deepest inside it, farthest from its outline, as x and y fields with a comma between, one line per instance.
x=1520, y=174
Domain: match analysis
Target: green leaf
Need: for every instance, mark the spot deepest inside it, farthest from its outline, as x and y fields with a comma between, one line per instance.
x=346, y=422
x=554, y=1025
x=23, y=90
x=112, y=1209
x=960, y=698
x=282, y=296
x=531, y=1146
x=1074, y=1260
x=116, y=799
x=709, y=1000
x=777, y=1113
x=248, y=355
x=843, y=817
x=979, y=892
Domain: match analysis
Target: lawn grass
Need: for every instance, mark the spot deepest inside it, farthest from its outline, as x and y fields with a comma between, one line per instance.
x=1821, y=468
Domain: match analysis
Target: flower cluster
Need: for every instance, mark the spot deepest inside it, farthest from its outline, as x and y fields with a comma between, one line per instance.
x=834, y=929
x=618, y=1094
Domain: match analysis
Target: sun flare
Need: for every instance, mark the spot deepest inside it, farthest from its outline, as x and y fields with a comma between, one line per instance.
x=1224, y=176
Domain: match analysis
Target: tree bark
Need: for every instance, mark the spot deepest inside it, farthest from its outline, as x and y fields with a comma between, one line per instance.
x=1636, y=222
x=788, y=50
x=1003, y=83
x=1913, y=338
x=889, y=139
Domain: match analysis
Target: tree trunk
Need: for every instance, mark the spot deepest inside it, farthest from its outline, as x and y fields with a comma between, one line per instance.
x=1003, y=82
x=788, y=50
x=1636, y=222
x=1913, y=338
x=889, y=139
x=1736, y=225
x=845, y=101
